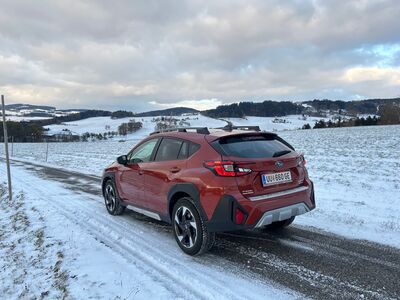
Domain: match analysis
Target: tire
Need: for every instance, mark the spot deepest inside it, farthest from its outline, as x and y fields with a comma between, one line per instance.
x=280, y=224
x=189, y=229
x=111, y=199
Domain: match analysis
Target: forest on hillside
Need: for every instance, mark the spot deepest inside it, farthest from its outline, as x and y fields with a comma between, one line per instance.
x=277, y=109
x=259, y=109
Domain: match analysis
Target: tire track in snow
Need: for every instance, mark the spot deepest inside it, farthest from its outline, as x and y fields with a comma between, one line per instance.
x=116, y=225
x=328, y=249
x=111, y=243
x=273, y=266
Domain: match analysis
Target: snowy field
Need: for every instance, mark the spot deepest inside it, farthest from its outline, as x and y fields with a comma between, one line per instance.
x=25, y=119
x=356, y=176
x=98, y=125
x=290, y=122
x=355, y=171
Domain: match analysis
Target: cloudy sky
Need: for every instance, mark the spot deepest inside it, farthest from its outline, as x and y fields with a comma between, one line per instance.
x=141, y=55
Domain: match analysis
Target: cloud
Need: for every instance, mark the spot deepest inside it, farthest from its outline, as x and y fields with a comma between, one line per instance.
x=141, y=55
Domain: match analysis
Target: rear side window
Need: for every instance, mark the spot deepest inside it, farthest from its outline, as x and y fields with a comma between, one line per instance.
x=258, y=146
x=172, y=149
x=193, y=148
x=183, y=153
x=169, y=149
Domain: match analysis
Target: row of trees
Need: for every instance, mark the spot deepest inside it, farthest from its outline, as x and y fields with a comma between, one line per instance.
x=73, y=117
x=119, y=114
x=389, y=114
x=97, y=136
x=370, y=106
x=369, y=121
x=263, y=109
x=283, y=108
x=23, y=131
x=123, y=129
x=130, y=127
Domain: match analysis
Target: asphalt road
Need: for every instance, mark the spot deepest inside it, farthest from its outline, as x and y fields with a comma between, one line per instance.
x=317, y=264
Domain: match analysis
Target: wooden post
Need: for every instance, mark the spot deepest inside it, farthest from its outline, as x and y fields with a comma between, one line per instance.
x=47, y=149
x=12, y=146
x=6, y=145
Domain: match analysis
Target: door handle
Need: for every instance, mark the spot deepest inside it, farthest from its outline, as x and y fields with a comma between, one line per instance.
x=141, y=172
x=174, y=170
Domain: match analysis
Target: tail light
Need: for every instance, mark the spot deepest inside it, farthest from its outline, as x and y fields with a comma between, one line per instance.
x=302, y=161
x=227, y=168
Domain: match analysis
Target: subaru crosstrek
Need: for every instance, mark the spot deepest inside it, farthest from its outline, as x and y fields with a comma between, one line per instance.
x=206, y=181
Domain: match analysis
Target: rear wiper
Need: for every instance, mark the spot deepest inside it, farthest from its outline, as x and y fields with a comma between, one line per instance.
x=280, y=153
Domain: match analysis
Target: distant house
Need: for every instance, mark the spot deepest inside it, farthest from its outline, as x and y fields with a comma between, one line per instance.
x=64, y=136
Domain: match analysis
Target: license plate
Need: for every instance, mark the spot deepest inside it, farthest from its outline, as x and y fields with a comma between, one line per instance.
x=276, y=178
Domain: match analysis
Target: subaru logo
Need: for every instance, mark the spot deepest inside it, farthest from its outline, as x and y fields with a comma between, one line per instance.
x=279, y=164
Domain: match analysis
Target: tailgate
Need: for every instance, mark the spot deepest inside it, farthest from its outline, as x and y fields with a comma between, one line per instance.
x=275, y=165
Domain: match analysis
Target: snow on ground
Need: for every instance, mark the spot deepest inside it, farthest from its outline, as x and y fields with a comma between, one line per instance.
x=290, y=122
x=98, y=125
x=57, y=243
x=356, y=175
x=24, y=118
x=355, y=171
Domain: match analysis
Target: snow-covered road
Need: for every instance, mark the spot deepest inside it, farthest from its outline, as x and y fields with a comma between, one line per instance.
x=120, y=258
x=134, y=256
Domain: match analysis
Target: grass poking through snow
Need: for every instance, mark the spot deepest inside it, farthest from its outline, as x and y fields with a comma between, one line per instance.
x=31, y=267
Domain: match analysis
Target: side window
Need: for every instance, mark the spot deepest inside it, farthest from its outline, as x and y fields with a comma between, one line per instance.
x=183, y=153
x=193, y=148
x=143, y=152
x=169, y=149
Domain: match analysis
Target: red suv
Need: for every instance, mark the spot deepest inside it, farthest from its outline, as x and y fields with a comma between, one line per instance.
x=205, y=181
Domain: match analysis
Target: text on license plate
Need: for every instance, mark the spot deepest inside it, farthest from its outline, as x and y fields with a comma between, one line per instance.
x=275, y=178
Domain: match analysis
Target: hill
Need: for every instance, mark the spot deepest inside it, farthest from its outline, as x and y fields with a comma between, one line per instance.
x=176, y=111
x=257, y=109
x=20, y=106
x=315, y=107
x=369, y=106
x=268, y=108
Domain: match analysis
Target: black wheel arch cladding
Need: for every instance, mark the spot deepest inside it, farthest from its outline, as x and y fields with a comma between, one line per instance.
x=180, y=190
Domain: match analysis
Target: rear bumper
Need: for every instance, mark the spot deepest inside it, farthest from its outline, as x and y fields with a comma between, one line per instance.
x=282, y=213
x=262, y=210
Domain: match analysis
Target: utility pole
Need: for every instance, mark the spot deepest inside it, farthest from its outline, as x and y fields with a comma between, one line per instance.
x=6, y=145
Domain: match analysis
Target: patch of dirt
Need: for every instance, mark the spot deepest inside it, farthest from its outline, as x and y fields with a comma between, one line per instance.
x=60, y=276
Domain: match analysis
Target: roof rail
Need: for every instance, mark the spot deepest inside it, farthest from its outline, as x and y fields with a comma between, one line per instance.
x=201, y=130
x=231, y=127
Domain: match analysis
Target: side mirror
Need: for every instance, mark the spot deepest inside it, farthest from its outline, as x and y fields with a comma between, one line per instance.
x=122, y=160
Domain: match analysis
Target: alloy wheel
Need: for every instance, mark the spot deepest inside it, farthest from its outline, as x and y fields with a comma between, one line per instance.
x=185, y=226
x=110, y=197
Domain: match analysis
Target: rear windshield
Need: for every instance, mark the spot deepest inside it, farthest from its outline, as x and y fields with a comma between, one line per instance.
x=259, y=146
